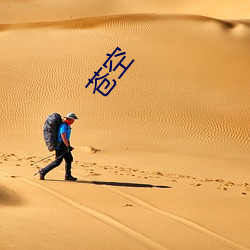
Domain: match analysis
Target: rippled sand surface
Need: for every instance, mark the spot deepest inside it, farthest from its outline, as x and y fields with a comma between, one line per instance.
x=162, y=161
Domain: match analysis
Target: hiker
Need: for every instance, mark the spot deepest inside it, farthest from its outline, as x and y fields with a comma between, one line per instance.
x=63, y=149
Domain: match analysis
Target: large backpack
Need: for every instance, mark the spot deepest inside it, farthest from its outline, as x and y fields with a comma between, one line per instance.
x=50, y=130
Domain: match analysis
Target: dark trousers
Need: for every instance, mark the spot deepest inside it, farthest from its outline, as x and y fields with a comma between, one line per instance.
x=67, y=156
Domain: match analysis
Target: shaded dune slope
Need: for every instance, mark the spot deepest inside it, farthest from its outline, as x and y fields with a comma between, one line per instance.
x=9, y=197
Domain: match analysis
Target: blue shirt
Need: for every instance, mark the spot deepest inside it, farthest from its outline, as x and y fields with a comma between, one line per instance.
x=64, y=128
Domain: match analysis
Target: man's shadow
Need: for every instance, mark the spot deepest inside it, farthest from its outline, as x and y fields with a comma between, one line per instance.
x=122, y=184
x=113, y=183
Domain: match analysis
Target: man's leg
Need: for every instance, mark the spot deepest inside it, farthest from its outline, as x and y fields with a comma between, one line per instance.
x=52, y=165
x=68, y=160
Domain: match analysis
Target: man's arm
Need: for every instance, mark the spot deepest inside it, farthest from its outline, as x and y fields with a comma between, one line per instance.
x=66, y=142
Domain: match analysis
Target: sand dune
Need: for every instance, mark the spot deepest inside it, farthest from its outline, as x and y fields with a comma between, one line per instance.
x=162, y=161
x=37, y=11
x=190, y=111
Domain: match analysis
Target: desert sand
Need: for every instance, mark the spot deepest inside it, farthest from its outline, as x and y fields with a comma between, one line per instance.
x=163, y=160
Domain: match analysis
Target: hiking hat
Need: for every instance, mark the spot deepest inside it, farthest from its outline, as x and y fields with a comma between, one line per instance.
x=71, y=116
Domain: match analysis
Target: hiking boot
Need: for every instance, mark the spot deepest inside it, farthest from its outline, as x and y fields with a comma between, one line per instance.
x=70, y=178
x=41, y=175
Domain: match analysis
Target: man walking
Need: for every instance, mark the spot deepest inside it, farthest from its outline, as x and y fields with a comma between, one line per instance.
x=63, y=150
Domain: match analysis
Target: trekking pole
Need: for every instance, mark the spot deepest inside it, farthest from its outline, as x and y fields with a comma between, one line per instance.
x=41, y=160
x=46, y=158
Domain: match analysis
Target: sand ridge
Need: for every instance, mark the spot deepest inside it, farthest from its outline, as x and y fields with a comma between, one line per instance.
x=111, y=20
